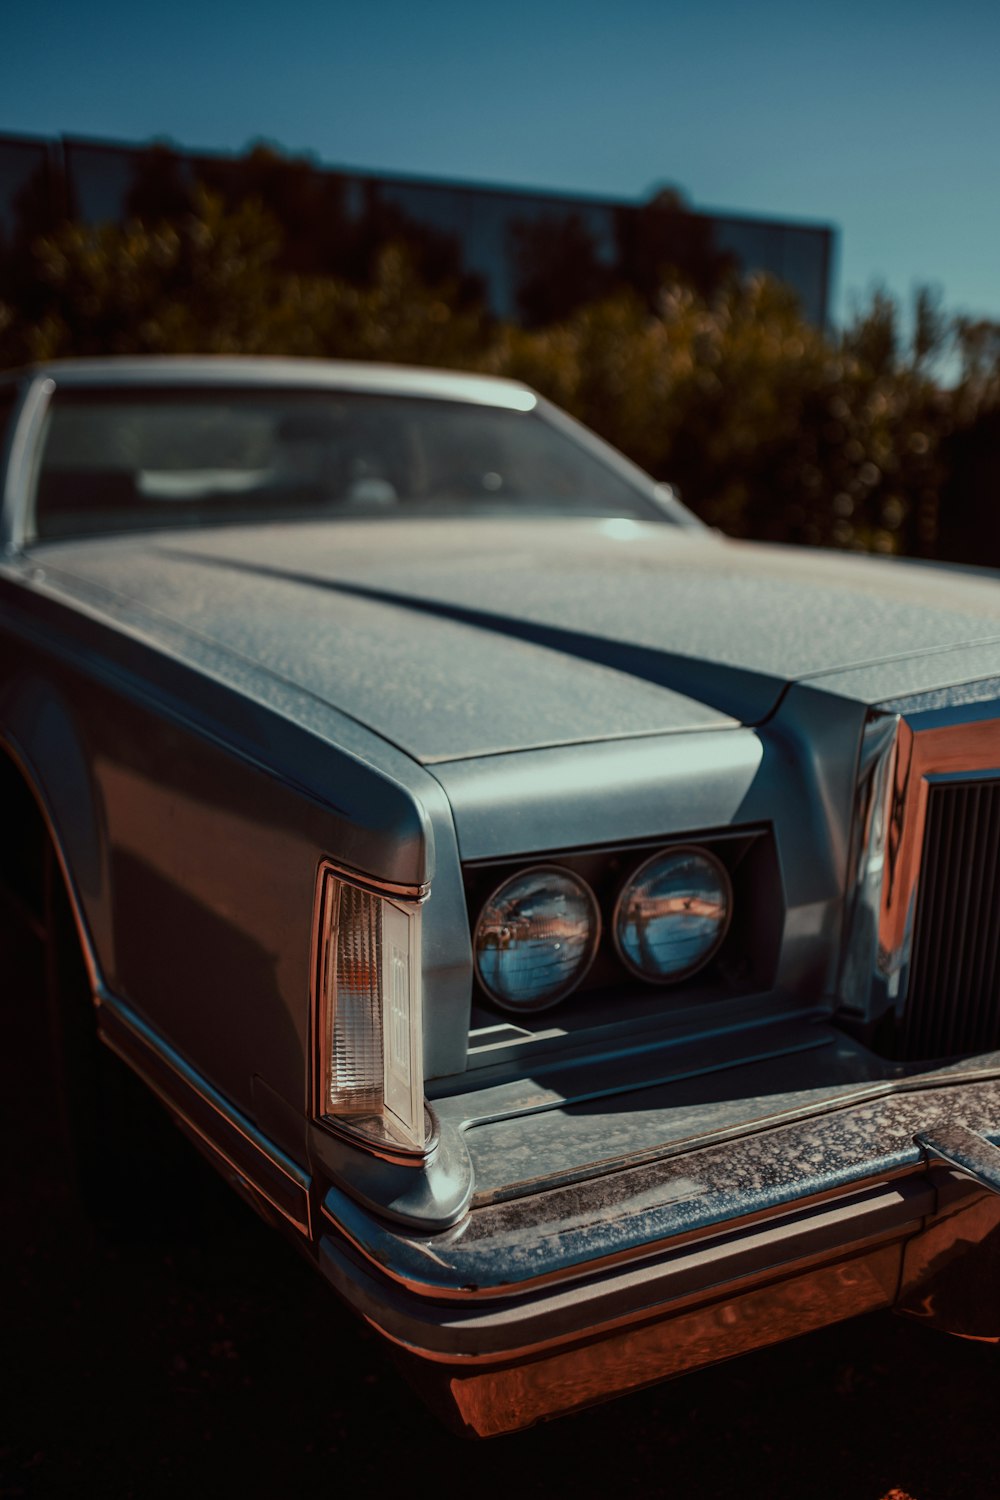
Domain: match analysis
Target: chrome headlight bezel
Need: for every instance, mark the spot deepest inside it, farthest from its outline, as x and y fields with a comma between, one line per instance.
x=741, y=963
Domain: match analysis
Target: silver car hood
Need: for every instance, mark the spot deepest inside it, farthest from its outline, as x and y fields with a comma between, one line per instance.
x=461, y=638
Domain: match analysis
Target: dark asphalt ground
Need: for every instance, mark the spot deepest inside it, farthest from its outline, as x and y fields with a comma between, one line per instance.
x=220, y=1365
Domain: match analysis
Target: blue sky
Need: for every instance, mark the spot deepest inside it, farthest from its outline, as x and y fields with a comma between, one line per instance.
x=880, y=118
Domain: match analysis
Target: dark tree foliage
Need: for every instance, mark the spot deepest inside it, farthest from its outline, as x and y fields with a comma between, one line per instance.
x=213, y=279
x=558, y=266
x=769, y=427
x=662, y=242
x=163, y=186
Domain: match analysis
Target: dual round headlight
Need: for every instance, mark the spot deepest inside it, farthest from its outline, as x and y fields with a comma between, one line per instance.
x=536, y=937
x=538, y=933
x=672, y=914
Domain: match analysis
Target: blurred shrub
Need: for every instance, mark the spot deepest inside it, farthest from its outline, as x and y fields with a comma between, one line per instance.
x=202, y=281
x=769, y=427
x=210, y=280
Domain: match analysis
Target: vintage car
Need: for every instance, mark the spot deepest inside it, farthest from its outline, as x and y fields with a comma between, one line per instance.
x=579, y=933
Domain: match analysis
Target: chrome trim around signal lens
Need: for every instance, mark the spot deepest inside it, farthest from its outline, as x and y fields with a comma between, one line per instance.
x=416, y=893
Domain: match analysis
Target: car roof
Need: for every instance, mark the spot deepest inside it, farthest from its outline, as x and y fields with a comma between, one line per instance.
x=167, y=371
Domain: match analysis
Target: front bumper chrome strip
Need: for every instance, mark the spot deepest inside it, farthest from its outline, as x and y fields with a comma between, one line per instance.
x=966, y=1151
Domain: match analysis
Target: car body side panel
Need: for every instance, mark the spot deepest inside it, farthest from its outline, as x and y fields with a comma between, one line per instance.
x=193, y=865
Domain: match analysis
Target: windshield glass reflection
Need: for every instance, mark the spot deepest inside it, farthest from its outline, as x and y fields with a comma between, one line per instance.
x=124, y=461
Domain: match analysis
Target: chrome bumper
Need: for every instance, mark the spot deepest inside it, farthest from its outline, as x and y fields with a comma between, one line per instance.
x=534, y=1307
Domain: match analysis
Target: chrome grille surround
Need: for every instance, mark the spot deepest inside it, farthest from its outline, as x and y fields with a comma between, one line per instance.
x=922, y=940
x=953, y=1001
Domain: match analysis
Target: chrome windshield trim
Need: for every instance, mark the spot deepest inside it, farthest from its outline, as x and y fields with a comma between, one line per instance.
x=20, y=464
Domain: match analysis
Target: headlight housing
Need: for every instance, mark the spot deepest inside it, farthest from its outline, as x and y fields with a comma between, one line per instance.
x=536, y=938
x=672, y=914
x=369, y=1033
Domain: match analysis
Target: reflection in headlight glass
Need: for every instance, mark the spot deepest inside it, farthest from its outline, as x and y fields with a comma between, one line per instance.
x=672, y=914
x=536, y=937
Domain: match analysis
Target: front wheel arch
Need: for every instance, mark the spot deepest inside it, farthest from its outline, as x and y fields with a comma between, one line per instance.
x=124, y=1158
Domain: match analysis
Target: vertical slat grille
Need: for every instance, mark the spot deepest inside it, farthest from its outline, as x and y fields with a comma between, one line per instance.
x=953, y=1003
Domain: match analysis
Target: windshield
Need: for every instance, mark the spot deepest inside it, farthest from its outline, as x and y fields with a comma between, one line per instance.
x=138, y=460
